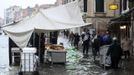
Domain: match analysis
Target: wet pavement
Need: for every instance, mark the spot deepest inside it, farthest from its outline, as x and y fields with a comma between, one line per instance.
x=86, y=66
x=76, y=64
x=83, y=67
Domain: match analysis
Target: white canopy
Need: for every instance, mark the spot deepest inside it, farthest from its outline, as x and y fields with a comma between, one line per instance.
x=61, y=17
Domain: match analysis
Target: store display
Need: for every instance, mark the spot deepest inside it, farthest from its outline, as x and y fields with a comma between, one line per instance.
x=56, y=53
x=54, y=47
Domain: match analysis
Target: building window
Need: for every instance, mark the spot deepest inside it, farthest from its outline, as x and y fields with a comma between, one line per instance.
x=99, y=5
x=131, y=0
x=131, y=4
x=85, y=5
x=124, y=4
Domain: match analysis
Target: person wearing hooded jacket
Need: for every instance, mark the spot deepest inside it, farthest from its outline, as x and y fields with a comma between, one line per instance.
x=115, y=52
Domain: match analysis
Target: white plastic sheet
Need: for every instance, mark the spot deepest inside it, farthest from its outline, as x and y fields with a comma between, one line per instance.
x=61, y=17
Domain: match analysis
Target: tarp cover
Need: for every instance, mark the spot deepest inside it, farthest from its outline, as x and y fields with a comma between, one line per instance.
x=57, y=18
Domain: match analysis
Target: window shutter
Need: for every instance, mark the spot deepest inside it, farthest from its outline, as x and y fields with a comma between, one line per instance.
x=124, y=4
x=99, y=5
x=85, y=5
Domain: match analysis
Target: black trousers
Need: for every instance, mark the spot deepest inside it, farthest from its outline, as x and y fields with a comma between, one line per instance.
x=126, y=54
x=115, y=62
x=85, y=48
x=42, y=56
x=76, y=44
x=95, y=51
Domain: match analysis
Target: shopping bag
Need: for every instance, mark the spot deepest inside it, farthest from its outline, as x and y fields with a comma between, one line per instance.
x=107, y=61
x=81, y=42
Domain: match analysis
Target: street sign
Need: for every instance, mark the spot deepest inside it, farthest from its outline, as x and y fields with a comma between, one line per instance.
x=113, y=6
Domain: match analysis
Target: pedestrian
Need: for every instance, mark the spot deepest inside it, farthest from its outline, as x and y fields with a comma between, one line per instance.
x=95, y=47
x=76, y=40
x=67, y=34
x=42, y=47
x=82, y=35
x=71, y=38
x=104, y=59
x=86, y=42
x=64, y=32
x=126, y=45
x=115, y=53
x=100, y=37
x=107, y=38
x=35, y=43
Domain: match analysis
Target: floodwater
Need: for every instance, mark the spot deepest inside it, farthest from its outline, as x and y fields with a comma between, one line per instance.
x=76, y=64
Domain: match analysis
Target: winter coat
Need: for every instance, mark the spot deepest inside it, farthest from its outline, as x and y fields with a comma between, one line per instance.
x=126, y=45
x=115, y=51
x=96, y=44
x=76, y=39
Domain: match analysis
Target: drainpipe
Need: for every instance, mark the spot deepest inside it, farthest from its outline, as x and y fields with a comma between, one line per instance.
x=132, y=32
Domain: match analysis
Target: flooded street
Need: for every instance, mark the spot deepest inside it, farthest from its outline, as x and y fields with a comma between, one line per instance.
x=67, y=37
x=85, y=66
x=76, y=64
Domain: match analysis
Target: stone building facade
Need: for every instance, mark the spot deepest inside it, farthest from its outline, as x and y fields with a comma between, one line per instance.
x=99, y=14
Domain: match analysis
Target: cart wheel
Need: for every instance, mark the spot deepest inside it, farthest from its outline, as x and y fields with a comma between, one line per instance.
x=36, y=73
x=20, y=73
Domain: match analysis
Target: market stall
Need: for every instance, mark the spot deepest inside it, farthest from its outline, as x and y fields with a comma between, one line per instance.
x=49, y=20
x=56, y=53
x=53, y=19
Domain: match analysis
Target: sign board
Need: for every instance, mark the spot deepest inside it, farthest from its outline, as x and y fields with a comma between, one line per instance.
x=113, y=6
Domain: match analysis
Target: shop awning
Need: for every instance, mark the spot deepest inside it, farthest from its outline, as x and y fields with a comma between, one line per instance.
x=123, y=18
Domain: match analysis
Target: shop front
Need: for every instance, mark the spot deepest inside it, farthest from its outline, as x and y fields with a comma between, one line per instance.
x=122, y=26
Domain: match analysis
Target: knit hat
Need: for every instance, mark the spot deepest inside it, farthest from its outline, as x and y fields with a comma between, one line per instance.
x=114, y=38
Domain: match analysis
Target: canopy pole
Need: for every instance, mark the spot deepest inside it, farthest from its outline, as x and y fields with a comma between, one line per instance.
x=34, y=38
x=39, y=48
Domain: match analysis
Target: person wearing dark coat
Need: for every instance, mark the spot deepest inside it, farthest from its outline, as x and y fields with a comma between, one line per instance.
x=86, y=41
x=115, y=52
x=71, y=38
x=76, y=40
x=42, y=47
x=95, y=47
x=36, y=41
